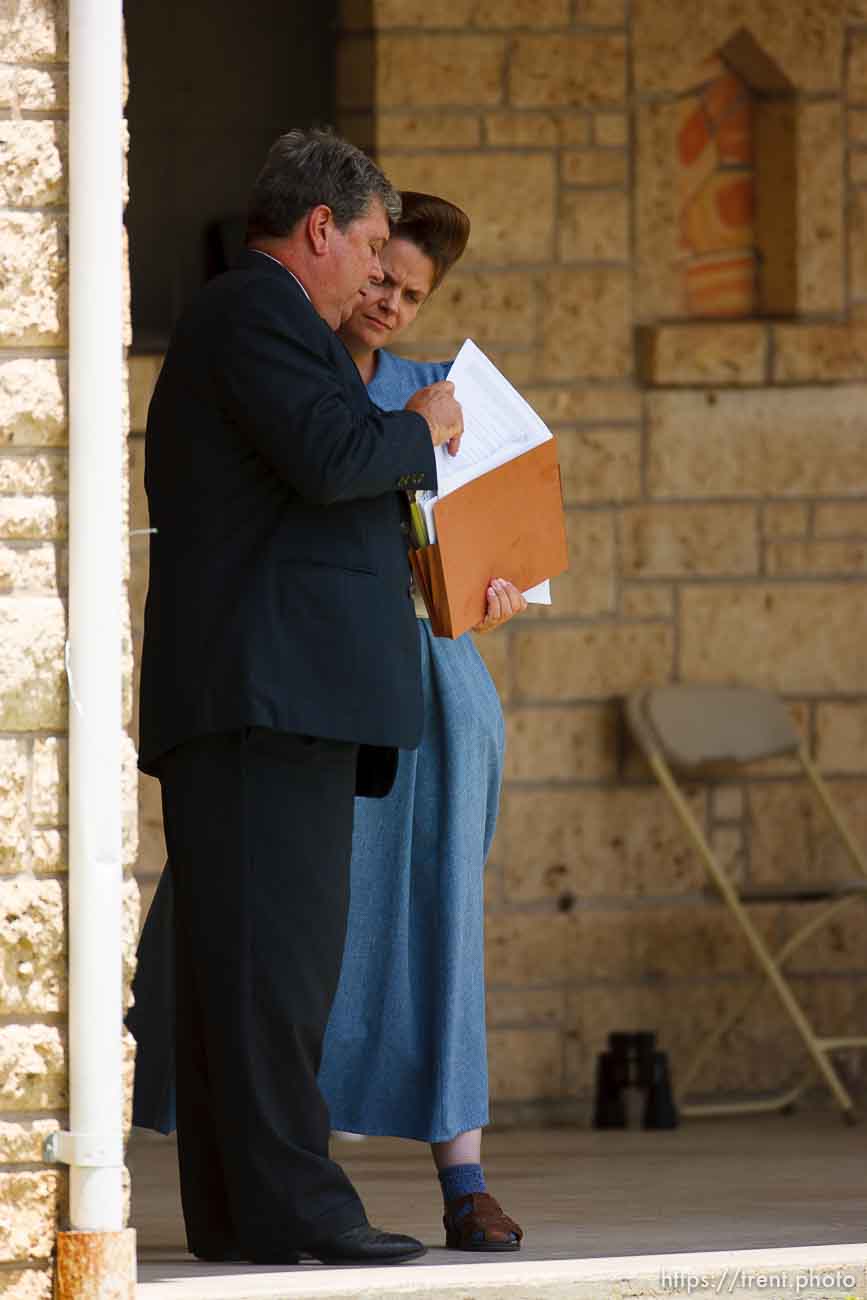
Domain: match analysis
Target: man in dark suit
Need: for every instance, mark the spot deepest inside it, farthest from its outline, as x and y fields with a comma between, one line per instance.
x=280, y=673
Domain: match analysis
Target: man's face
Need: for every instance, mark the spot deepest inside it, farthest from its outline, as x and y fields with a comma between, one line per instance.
x=357, y=250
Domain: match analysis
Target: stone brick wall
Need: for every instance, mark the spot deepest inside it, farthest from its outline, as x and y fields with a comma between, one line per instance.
x=33, y=585
x=716, y=490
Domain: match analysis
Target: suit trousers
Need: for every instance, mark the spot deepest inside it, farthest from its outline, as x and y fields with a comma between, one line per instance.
x=259, y=832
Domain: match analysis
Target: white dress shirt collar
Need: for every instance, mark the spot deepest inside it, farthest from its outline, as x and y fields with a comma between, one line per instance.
x=286, y=269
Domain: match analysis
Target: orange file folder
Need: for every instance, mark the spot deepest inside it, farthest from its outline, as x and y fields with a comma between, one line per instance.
x=506, y=524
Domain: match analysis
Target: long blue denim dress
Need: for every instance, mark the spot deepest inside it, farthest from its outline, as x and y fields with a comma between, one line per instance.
x=405, y=1051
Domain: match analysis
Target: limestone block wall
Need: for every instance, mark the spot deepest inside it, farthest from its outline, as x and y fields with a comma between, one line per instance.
x=715, y=478
x=33, y=588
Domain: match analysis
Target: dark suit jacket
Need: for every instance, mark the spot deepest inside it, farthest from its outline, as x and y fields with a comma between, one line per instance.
x=279, y=582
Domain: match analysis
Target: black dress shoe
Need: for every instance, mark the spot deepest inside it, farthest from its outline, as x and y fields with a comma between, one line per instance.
x=366, y=1245
x=217, y=1254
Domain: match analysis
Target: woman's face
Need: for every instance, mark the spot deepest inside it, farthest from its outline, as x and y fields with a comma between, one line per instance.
x=385, y=310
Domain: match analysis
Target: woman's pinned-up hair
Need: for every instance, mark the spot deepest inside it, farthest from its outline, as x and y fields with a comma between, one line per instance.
x=439, y=228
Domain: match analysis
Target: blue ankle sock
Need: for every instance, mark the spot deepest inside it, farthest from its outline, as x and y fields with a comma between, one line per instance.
x=461, y=1180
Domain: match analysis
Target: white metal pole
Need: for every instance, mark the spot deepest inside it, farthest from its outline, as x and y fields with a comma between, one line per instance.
x=94, y=649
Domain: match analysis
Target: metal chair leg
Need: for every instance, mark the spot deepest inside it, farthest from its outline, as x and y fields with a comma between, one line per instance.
x=741, y=1007
x=754, y=939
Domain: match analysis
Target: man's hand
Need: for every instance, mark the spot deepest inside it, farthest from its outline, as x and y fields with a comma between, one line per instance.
x=443, y=414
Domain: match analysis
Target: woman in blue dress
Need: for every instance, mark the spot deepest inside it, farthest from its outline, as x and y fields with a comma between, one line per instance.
x=405, y=1050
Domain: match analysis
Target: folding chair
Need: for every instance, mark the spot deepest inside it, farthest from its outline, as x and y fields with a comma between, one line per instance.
x=690, y=729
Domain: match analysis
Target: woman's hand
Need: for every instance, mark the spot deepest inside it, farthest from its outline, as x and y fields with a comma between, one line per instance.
x=504, y=602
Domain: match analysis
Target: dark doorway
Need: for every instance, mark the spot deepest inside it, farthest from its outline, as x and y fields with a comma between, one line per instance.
x=212, y=83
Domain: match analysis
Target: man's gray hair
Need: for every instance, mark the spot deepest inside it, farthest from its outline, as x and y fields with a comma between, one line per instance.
x=305, y=168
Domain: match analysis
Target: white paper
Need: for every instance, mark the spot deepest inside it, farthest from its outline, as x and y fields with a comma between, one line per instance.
x=540, y=594
x=498, y=423
x=498, y=426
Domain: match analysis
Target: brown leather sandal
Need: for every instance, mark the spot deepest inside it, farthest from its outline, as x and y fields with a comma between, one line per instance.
x=477, y=1222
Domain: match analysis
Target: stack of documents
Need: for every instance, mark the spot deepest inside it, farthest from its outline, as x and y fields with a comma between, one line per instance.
x=498, y=510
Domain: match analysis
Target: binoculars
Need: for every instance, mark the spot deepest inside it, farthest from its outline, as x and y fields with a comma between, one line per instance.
x=633, y=1073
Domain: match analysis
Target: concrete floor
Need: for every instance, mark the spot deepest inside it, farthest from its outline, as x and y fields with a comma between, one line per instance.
x=718, y=1185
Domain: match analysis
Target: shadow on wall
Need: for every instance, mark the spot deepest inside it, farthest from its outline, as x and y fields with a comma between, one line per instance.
x=210, y=90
